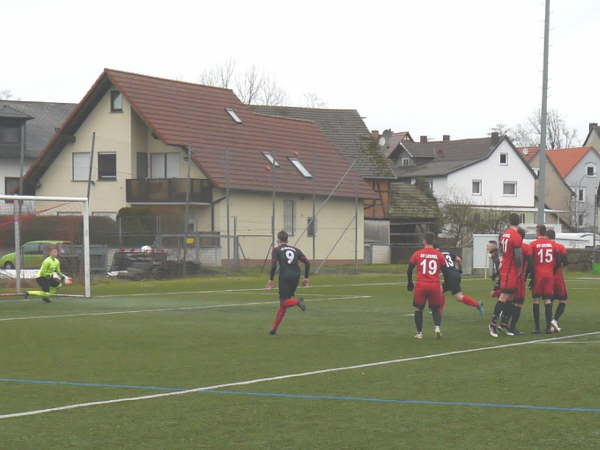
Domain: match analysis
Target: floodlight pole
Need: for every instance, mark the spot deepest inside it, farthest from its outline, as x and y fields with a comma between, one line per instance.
x=544, y=120
x=355, y=226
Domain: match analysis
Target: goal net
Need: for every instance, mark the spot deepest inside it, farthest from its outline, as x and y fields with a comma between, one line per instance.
x=33, y=227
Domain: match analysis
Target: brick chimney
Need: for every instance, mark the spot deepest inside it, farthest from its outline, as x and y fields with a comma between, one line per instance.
x=495, y=137
x=423, y=140
x=593, y=125
x=375, y=134
x=446, y=138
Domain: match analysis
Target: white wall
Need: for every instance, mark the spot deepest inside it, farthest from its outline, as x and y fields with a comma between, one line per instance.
x=492, y=175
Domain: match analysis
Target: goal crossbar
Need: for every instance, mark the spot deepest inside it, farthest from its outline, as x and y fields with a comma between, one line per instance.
x=86, y=230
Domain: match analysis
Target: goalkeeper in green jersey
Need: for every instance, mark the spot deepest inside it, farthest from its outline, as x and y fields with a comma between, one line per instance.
x=50, y=278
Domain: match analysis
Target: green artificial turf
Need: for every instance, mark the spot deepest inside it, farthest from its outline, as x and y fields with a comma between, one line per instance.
x=182, y=334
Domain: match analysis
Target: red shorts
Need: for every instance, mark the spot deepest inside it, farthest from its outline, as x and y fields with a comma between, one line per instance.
x=543, y=286
x=509, y=281
x=520, y=294
x=428, y=292
x=560, y=288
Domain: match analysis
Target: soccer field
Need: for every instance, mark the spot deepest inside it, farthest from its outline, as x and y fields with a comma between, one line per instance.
x=198, y=369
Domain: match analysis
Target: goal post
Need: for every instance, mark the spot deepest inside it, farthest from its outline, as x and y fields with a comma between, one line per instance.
x=17, y=203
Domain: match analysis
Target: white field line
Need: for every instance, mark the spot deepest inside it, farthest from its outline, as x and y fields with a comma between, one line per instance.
x=572, y=342
x=175, y=308
x=283, y=377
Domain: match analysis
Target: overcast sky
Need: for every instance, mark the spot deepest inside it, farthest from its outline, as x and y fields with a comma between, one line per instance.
x=431, y=67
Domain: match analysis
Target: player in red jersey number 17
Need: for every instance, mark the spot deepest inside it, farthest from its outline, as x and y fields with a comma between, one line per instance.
x=429, y=262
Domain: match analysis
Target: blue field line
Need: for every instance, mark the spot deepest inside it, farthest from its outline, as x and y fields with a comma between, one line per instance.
x=307, y=396
x=104, y=385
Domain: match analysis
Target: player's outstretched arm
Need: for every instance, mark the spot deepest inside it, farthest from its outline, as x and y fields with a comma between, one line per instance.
x=409, y=274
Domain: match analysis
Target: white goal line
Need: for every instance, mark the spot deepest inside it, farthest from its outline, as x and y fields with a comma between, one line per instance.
x=283, y=377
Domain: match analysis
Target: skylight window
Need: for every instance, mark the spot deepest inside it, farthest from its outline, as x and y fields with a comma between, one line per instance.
x=271, y=159
x=233, y=115
x=298, y=165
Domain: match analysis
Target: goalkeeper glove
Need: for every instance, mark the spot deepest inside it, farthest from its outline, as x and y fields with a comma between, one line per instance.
x=410, y=286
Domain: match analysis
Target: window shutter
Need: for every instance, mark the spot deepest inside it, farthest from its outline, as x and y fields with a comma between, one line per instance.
x=81, y=166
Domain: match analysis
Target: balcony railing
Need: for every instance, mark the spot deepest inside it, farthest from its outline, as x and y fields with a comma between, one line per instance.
x=169, y=190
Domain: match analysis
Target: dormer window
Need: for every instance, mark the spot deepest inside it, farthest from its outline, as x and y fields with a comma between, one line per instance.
x=590, y=170
x=233, y=115
x=271, y=159
x=405, y=162
x=300, y=167
x=116, y=101
x=503, y=159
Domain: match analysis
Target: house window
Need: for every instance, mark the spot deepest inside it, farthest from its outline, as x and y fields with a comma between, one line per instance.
x=81, y=166
x=581, y=194
x=271, y=159
x=522, y=217
x=428, y=185
x=590, y=170
x=580, y=220
x=476, y=187
x=298, y=165
x=11, y=185
x=142, y=165
x=310, y=226
x=405, y=162
x=116, y=101
x=503, y=159
x=233, y=115
x=107, y=166
x=509, y=188
x=289, y=216
x=164, y=165
x=10, y=134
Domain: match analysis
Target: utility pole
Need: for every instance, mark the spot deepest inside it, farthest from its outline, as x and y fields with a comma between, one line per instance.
x=544, y=120
x=186, y=218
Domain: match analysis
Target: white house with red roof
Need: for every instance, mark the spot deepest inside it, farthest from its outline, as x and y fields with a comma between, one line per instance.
x=145, y=128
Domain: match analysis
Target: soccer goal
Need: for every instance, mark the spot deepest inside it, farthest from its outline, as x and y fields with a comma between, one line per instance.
x=31, y=228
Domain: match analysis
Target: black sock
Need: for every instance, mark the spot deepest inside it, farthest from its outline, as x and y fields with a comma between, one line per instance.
x=559, y=310
x=419, y=321
x=548, y=311
x=497, y=310
x=515, y=317
x=437, y=317
x=507, y=312
x=536, y=315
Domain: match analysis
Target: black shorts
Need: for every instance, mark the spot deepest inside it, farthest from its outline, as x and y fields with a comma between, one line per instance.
x=453, y=282
x=288, y=282
x=47, y=282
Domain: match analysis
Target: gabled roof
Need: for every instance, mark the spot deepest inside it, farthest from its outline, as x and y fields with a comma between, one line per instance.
x=344, y=128
x=47, y=117
x=563, y=159
x=409, y=202
x=194, y=115
x=394, y=141
x=528, y=153
x=566, y=159
x=450, y=156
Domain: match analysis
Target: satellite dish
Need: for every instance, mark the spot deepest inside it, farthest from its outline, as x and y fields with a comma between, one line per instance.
x=381, y=141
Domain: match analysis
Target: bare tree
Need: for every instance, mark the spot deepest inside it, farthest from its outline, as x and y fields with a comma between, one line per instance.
x=272, y=94
x=221, y=75
x=5, y=94
x=251, y=86
x=312, y=100
x=528, y=134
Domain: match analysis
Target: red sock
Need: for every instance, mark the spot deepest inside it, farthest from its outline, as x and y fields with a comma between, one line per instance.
x=290, y=302
x=469, y=301
x=279, y=317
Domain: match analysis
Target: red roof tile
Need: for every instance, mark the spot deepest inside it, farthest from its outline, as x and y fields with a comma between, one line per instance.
x=564, y=159
x=188, y=114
